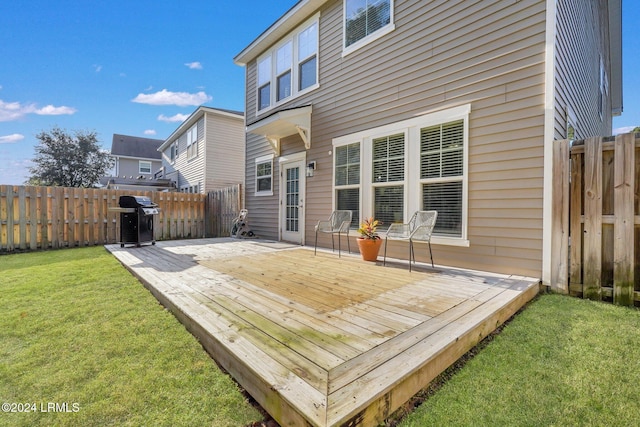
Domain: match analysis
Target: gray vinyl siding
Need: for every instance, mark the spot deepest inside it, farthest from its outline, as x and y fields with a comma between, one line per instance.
x=220, y=159
x=489, y=54
x=577, y=66
x=191, y=170
x=263, y=210
x=224, y=151
x=131, y=167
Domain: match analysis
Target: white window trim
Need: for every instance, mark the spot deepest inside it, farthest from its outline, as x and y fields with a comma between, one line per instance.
x=412, y=181
x=295, y=63
x=367, y=39
x=259, y=160
x=140, y=162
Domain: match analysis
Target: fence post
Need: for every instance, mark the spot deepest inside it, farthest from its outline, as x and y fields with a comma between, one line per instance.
x=623, y=246
x=560, y=218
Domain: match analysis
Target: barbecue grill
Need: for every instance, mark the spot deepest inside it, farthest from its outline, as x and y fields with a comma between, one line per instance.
x=136, y=220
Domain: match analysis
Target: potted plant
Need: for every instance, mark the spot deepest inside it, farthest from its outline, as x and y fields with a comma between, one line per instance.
x=369, y=242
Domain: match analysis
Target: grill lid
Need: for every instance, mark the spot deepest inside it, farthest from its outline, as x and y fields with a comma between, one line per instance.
x=135, y=202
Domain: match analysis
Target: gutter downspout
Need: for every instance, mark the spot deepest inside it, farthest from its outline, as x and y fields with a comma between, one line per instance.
x=549, y=135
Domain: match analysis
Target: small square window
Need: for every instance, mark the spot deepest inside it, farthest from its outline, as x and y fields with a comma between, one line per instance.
x=144, y=167
x=264, y=177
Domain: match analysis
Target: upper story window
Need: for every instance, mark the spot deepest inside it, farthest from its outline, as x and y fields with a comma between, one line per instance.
x=289, y=69
x=173, y=152
x=192, y=142
x=365, y=21
x=144, y=166
x=603, y=89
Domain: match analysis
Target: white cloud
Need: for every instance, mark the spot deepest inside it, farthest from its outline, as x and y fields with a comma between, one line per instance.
x=10, y=111
x=625, y=129
x=14, y=110
x=150, y=132
x=194, y=65
x=164, y=97
x=98, y=68
x=50, y=110
x=9, y=139
x=177, y=118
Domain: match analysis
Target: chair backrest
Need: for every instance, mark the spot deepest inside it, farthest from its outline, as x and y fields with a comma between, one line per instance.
x=421, y=224
x=340, y=220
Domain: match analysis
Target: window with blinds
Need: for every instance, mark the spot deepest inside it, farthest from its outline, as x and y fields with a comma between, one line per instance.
x=420, y=163
x=388, y=167
x=347, y=180
x=365, y=17
x=442, y=173
x=388, y=158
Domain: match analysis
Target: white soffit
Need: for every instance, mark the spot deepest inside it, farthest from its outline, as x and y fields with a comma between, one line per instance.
x=284, y=123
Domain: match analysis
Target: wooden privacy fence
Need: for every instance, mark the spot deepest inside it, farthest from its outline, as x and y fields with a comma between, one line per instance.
x=221, y=208
x=56, y=217
x=596, y=218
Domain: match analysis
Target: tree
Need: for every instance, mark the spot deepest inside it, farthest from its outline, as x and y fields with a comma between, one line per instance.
x=68, y=160
x=636, y=129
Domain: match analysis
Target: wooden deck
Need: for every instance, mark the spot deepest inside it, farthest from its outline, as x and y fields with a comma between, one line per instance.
x=321, y=340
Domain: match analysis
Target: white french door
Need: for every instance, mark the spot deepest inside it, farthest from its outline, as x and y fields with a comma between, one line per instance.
x=292, y=194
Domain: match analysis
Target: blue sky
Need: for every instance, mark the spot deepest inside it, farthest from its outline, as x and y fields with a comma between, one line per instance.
x=140, y=67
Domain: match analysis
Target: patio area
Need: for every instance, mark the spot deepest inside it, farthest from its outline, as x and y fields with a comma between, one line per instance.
x=321, y=340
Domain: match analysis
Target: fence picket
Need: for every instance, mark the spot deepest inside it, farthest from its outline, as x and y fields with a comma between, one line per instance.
x=593, y=219
x=57, y=217
x=624, y=191
x=604, y=220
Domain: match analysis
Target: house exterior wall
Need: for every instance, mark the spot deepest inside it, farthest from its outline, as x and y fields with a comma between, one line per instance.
x=187, y=171
x=220, y=159
x=488, y=55
x=577, y=68
x=130, y=167
x=224, y=152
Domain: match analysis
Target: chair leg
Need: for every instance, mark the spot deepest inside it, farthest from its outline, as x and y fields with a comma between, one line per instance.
x=348, y=242
x=411, y=254
x=315, y=248
x=333, y=245
x=384, y=260
x=339, y=248
x=431, y=255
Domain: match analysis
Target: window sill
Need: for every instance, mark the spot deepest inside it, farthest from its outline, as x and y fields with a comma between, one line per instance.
x=367, y=40
x=450, y=241
x=282, y=102
x=264, y=193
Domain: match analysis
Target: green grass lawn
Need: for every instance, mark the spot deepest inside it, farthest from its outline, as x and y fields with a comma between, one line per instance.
x=77, y=330
x=561, y=362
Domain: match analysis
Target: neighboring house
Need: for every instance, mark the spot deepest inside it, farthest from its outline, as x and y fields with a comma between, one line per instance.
x=409, y=105
x=136, y=160
x=135, y=156
x=206, y=152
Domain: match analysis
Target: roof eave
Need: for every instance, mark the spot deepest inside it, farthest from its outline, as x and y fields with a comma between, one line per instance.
x=287, y=23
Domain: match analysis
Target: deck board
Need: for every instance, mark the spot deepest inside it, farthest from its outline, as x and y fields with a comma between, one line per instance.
x=320, y=339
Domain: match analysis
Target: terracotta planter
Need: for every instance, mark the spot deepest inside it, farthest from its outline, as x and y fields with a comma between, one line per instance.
x=369, y=248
